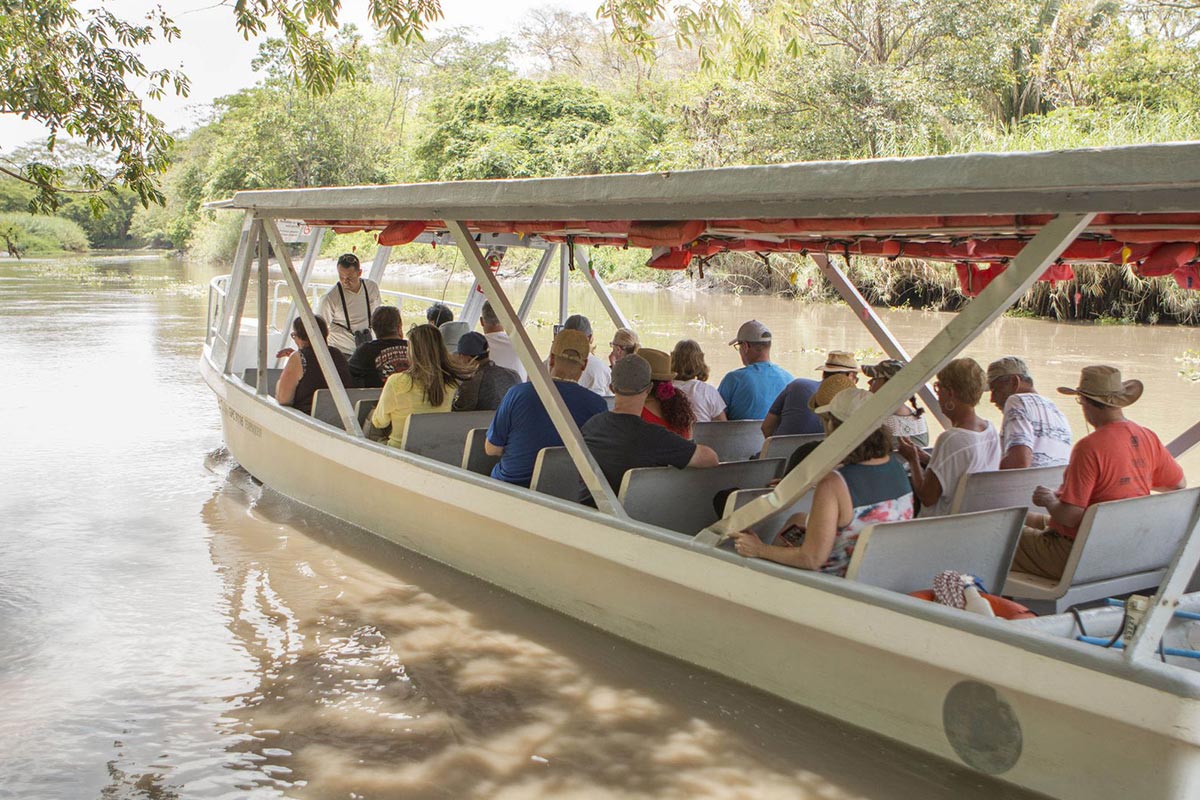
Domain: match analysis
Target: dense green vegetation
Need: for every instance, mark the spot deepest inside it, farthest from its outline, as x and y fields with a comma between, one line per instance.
x=714, y=86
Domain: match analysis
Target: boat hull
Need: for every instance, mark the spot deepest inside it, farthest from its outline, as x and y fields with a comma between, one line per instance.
x=1049, y=715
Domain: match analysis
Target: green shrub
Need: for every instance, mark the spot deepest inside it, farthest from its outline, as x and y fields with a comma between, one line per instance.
x=34, y=234
x=215, y=237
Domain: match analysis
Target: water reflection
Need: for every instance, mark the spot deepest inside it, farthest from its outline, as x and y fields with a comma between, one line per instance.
x=385, y=675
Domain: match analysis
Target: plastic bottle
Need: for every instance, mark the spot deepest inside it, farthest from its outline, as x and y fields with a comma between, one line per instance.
x=974, y=601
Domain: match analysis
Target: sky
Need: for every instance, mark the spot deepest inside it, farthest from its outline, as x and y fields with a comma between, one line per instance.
x=217, y=59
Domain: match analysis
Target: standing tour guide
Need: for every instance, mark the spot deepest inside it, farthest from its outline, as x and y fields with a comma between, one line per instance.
x=347, y=306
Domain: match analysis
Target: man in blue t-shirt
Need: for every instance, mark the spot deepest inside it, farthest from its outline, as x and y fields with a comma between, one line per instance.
x=748, y=392
x=522, y=427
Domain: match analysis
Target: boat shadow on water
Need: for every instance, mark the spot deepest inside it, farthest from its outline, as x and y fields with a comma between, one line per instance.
x=384, y=673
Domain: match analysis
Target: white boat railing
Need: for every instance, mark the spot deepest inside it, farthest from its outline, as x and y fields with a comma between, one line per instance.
x=218, y=290
x=315, y=290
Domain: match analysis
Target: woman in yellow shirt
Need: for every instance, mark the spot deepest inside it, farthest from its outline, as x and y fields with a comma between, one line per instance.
x=428, y=385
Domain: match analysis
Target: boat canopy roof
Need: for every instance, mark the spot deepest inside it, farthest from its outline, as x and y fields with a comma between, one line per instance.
x=980, y=207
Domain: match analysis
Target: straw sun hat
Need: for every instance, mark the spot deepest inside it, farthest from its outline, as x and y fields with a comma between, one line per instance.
x=829, y=388
x=1104, y=385
x=839, y=361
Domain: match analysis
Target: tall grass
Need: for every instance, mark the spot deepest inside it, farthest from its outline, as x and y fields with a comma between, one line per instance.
x=34, y=234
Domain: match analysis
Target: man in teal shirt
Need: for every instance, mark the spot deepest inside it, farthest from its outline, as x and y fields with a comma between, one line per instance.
x=748, y=392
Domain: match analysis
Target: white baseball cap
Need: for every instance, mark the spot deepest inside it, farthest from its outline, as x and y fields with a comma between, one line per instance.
x=752, y=331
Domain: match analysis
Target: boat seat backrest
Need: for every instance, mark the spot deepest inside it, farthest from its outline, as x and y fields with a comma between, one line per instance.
x=906, y=556
x=1002, y=488
x=474, y=457
x=363, y=409
x=323, y=407
x=250, y=377
x=1128, y=537
x=733, y=441
x=784, y=446
x=443, y=435
x=682, y=499
x=554, y=473
x=770, y=527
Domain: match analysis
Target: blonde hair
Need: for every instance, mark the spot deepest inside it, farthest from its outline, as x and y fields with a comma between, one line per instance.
x=627, y=340
x=430, y=366
x=965, y=379
x=687, y=359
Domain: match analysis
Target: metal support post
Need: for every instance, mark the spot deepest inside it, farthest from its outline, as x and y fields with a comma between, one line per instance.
x=311, y=250
x=235, y=301
x=564, y=285
x=1149, y=634
x=1005, y=290
x=1184, y=441
x=264, y=278
x=539, y=376
x=379, y=265
x=473, y=305
x=535, y=284
x=337, y=389
x=585, y=265
x=863, y=310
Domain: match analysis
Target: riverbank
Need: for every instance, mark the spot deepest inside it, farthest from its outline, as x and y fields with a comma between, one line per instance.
x=1104, y=294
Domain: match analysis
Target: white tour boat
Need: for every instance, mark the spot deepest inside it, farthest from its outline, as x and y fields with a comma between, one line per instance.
x=1026, y=701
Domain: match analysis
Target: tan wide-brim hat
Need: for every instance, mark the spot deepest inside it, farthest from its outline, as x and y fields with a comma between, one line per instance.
x=839, y=361
x=1103, y=384
x=829, y=389
x=660, y=364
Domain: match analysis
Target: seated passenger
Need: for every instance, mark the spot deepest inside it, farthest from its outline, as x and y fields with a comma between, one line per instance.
x=624, y=343
x=970, y=445
x=828, y=389
x=792, y=411
x=427, y=387
x=451, y=332
x=489, y=381
x=691, y=378
x=438, y=314
x=522, y=427
x=620, y=440
x=302, y=374
x=500, y=347
x=840, y=362
x=665, y=405
x=1034, y=432
x=374, y=361
x=1120, y=459
x=748, y=392
x=869, y=487
x=904, y=421
x=595, y=375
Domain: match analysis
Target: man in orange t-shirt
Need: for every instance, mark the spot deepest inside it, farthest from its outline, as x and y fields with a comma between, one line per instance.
x=1121, y=459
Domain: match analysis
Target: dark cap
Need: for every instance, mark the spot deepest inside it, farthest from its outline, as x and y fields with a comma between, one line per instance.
x=631, y=375
x=578, y=322
x=348, y=260
x=473, y=344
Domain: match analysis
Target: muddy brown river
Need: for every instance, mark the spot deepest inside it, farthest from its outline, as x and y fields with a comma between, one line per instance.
x=171, y=629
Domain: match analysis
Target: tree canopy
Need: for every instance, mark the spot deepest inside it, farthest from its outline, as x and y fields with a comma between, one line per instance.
x=73, y=71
